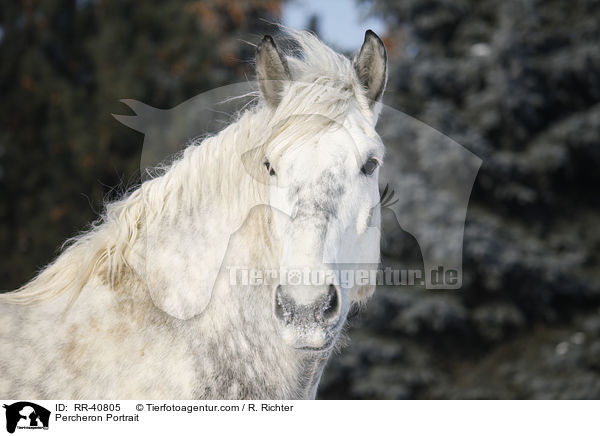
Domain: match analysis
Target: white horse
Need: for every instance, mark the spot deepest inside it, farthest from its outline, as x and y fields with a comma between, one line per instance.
x=143, y=305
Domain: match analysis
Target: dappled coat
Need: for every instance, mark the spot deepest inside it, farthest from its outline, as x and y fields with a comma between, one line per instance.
x=142, y=305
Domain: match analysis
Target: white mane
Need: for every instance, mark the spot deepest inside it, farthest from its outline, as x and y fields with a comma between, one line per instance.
x=324, y=84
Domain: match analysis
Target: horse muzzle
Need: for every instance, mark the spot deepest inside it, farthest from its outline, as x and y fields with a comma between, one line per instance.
x=309, y=316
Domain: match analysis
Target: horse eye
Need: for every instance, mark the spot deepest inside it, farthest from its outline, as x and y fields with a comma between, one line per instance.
x=269, y=168
x=369, y=167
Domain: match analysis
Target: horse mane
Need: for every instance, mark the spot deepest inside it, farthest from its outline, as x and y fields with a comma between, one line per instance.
x=323, y=88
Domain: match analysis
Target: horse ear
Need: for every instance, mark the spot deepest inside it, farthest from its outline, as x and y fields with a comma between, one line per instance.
x=272, y=70
x=370, y=65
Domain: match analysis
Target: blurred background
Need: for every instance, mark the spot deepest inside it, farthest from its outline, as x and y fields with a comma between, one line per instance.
x=517, y=82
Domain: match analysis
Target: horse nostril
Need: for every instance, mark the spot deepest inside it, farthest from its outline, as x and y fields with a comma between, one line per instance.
x=280, y=311
x=333, y=303
x=325, y=309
